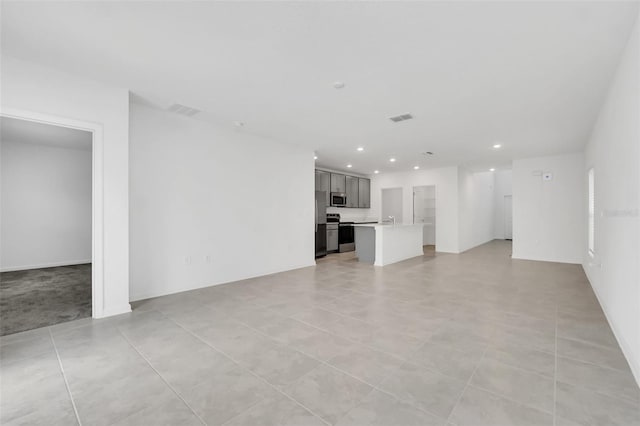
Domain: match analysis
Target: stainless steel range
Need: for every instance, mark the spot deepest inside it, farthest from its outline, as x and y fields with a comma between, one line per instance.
x=346, y=237
x=333, y=219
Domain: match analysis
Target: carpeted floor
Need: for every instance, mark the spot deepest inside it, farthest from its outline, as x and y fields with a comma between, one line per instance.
x=40, y=297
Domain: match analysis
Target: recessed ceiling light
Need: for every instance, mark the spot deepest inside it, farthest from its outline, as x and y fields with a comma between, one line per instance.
x=492, y=169
x=349, y=165
x=360, y=149
x=416, y=167
x=338, y=85
x=393, y=160
x=376, y=171
x=496, y=146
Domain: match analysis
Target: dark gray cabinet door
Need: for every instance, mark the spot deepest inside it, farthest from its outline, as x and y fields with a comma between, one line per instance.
x=352, y=191
x=338, y=183
x=323, y=183
x=364, y=193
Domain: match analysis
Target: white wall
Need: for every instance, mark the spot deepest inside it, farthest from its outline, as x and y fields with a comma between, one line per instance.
x=201, y=192
x=549, y=216
x=501, y=188
x=614, y=153
x=46, y=206
x=347, y=214
x=475, y=208
x=37, y=89
x=446, y=182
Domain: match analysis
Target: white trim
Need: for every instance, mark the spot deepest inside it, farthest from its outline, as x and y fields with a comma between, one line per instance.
x=624, y=346
x=45, y=265
x=167, y=292
x=111, y=311
x=97, y=196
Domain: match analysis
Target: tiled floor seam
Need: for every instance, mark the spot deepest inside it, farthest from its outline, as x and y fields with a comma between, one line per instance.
x=453, y=409
x=251, y=372
x=555, y=371
x=64, y=377
x=606, y=367
x=249, y=408
x=327, y=364
x=591, y=342
x=161, y=377
x=494, y=393
x=599, y=392
x=351, y=340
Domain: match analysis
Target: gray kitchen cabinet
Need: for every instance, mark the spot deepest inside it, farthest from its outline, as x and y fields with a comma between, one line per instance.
x=364, y=193
x=352, y=191
x=338, y=183
x=323, y=183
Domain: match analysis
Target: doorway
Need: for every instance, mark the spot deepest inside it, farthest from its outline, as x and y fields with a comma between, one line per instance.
x=424, y=211
x=392, y=204
x=47, y=228
x=508, y=218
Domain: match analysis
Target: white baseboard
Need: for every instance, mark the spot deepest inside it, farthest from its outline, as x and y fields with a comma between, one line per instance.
x=474, y=245
x=44, y=265
x=115, y=310
x=544, y=259
x=634, y=363
x=143, y=296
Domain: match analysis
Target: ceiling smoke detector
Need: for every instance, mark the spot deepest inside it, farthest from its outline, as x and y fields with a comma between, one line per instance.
x=183, y=110
x=401, y=117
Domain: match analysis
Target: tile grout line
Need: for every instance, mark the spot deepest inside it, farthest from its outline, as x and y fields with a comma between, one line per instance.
x=488, y=344
x=466, y=386
x=326, y=363
x=160, y=375
x=250, y=372
x=555, y=372
x=64, y=377
x=402, y=360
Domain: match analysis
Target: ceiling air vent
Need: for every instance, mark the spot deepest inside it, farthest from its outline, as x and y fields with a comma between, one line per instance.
x=401, y=117
x=183, y=110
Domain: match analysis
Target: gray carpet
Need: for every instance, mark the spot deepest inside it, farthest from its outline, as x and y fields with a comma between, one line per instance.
x=40, y=297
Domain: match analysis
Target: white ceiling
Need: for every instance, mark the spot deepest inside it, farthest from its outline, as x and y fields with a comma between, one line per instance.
x=24, y=131
x=530, y=75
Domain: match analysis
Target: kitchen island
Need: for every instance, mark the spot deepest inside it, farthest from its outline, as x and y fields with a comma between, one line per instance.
x=382, y=244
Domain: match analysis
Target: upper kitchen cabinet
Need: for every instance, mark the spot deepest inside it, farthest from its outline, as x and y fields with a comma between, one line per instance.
x=323, y=183
x=338, y=183
x=364, y=193
x=352, y=191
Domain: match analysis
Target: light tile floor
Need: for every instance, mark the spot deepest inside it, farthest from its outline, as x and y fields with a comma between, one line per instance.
x=470, y=339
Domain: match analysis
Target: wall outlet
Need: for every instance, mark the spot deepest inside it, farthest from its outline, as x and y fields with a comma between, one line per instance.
x=208, y=258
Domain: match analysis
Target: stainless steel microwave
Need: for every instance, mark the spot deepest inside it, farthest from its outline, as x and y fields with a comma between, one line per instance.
x=338, y=199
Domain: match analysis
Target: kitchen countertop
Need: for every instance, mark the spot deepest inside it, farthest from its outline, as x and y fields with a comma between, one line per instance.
x=387, y=225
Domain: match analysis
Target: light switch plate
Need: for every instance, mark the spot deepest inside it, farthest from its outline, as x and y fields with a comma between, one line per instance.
x=547, y=176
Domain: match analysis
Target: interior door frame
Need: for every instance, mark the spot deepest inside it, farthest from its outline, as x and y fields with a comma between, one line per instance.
x=504, y=210
x=413, y=206
x=97, y=193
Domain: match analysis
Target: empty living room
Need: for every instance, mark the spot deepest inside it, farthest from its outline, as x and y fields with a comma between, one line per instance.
x=292, y=213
